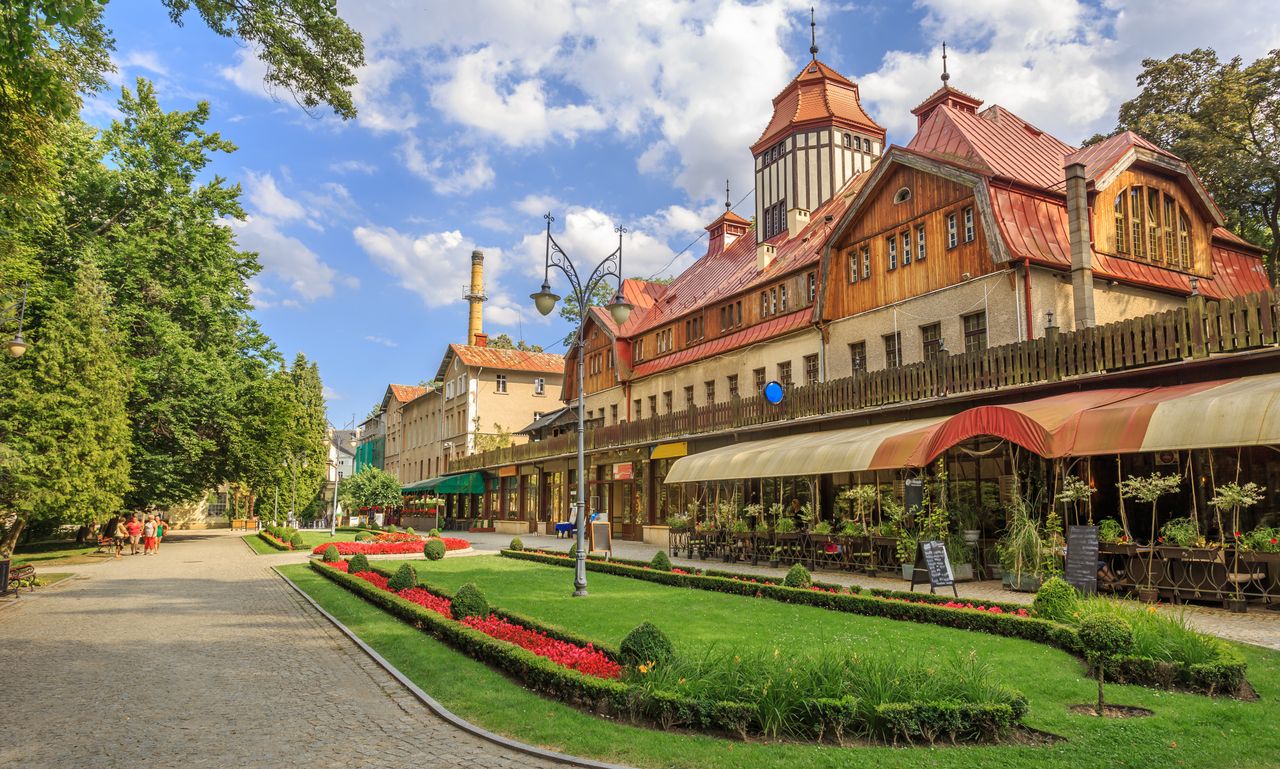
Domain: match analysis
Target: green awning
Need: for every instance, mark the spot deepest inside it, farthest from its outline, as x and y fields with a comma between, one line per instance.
x=463, y=483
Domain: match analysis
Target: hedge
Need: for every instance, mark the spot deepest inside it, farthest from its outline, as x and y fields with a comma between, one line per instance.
x=1226, y=676
x=907, y=721
x=278, y=544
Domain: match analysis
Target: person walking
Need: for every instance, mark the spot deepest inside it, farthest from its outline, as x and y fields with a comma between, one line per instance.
x=112, y=531
x=134, y=529
x=161, y=529
x=149, y=536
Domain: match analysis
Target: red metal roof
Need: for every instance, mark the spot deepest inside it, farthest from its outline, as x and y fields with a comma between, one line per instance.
x=1035, y=228
x=1101, y=157
x=510, y=360
x=996, y=141
x=778, y=326
x=818, y=94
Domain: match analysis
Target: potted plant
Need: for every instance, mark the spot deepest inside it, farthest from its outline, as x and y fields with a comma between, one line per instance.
x=960, y=553
x=967, y=525
x=1234, y=497
x=906, y=550
x=1074, y=491
x=1021, y=550
x=1149, y=489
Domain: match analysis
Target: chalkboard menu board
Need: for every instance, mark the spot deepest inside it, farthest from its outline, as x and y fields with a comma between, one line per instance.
x=600, y=537
x=933, y=564
x=1082, y=558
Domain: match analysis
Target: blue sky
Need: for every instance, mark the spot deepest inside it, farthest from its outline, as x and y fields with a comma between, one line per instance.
x=477, y=117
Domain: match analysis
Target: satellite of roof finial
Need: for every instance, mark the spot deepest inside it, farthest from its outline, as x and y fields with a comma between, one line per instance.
x=813, y=35
x=727, y=205
x=945, y=76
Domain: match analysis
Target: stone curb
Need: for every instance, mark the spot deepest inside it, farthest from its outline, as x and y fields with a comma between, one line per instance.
x=440, y=710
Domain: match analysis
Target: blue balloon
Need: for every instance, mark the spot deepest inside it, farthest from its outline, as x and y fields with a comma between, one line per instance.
x=773, y=393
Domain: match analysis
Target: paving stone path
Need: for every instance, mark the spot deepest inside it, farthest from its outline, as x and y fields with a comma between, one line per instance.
x=202, y=657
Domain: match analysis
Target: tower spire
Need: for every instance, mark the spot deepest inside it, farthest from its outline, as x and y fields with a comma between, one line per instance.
x=727, y=205
x=813, y=35
x=945, y=76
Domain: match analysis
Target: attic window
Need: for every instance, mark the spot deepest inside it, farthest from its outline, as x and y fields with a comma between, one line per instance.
x=813, y=68
x=902, y=195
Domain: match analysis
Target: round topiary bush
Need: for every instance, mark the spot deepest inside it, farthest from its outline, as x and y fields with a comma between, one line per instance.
x=433, y=550
x=469, y=601
x=409, y=530
x=331, y=555
x=357, y=563
x=1104, y=636
x=404, y=578
x=573, y=550
x=516, y=544
x=391, y=528
x=799, y=576
x=660, y=562
x=296, y=540
x=433, y=533
x=645, y=644
x=364, y=536
x=1055, y=600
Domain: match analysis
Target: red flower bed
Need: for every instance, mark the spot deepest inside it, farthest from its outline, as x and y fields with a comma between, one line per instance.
x=967, y=605
x=390, y=548
x=397, y=536
x=586, y=659
x=277, y=540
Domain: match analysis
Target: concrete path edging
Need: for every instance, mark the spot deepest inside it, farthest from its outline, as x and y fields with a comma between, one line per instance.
x=440, y=710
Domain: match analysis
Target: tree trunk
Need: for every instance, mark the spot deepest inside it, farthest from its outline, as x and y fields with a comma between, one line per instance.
x=10, y=540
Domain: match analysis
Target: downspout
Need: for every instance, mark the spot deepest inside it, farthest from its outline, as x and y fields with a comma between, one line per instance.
x=1026, y=295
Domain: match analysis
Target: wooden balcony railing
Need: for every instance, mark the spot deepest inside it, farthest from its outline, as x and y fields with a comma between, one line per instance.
x=1198, y=330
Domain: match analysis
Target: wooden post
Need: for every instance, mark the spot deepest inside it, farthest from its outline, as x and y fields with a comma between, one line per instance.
x=1195, y=316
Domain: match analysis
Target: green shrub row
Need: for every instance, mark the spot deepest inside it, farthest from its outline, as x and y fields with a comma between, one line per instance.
x=908, y=595
x=910, y=722
x=1225, y=676
x=274, y=539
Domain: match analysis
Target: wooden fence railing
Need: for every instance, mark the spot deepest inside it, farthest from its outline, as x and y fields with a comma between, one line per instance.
x=1197, y=330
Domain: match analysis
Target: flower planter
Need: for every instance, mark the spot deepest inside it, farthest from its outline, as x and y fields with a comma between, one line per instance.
x=1020, y=583
x=963, y=572
x=1148, y=594
x=971, y=537
x=1237, y=605
x=907, y=570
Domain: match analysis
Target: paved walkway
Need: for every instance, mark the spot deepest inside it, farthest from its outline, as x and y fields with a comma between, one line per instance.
x=202, y=657
x=1259, y=626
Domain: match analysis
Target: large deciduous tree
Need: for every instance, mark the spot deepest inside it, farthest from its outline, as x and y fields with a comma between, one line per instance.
x=1222, y=117
x=371, y=487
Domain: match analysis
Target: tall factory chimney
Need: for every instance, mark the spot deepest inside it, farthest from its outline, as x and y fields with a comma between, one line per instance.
x=475, y=297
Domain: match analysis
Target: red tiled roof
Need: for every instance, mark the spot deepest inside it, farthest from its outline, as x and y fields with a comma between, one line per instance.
x=817, y=94
x=995, y=141
x=509, y=360
x=406, y=393
x=773, y=327
x=1035, y=228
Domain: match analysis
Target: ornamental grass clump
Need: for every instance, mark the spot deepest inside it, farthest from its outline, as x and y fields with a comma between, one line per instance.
x=469, y=601
x=1158, y=635
x=404, y=578
x=434, y=549
x=516, y=544
x=1056, y=600
x=1104, y=637
x=799, y=577
x=331, y=555
x=357, y=563
x=660, y=561
x=646, y=645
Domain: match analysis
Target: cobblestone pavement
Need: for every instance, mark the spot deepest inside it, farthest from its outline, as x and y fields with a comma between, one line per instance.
x=202, y=657
x=1260, y=626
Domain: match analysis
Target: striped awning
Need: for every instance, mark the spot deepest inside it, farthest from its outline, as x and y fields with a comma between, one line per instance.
x=1223, y=413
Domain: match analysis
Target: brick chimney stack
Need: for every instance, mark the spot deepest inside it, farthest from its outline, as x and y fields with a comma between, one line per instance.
x=475, y=297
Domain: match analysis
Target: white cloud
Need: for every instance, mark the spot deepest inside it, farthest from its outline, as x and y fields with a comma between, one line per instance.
x=284, y=257
x=248, y=74
x=467, y=174
x=379, y=107
x=382, y=340
x=587, y=235
x=267, y=199
x=331, y=394
x=537, y=205
x=148, y=60
x=436, y=265
x=353, y=167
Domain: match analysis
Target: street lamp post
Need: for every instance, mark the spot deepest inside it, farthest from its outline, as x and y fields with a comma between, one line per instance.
x=16, y=346
x=620, y=309
x=333, y=517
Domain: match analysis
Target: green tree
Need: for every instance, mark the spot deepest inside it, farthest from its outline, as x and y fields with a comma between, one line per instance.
x=307, y=453
x=62, y=421
x=371, y=487
x=504, y=342
x=602, y=295
x=1224, y=119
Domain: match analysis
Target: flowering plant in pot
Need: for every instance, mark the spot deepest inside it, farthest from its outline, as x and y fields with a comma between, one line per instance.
x=1149, y=489
x=1234, y=497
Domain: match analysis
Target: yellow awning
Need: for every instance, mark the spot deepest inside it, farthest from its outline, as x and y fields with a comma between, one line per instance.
x=670, y=450
x=874, y=447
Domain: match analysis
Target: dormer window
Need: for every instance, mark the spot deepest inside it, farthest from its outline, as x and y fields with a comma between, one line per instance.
x=902, y=195
x=1150, y=225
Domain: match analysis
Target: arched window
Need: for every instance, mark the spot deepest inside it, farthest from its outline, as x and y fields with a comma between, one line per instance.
x=902, y=195
x=1146, y=221
x=848, y=140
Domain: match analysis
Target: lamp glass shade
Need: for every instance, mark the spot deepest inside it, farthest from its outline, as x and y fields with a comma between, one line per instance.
x=544, y=300
x=620, y=309
x=16, y=347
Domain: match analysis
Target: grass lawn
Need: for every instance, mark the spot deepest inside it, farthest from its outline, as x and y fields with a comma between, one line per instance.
x=1187, y=730
x=51, y=552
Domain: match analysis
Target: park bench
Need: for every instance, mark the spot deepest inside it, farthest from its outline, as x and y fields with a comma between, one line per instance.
x=22, y=576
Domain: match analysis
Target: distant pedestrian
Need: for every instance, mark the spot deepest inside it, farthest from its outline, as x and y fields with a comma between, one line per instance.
x=134, y=529
x=162, y=528
x=149, y=536
x=113, y=532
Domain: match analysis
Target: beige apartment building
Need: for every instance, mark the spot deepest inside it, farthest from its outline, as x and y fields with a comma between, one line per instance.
x=392, y=408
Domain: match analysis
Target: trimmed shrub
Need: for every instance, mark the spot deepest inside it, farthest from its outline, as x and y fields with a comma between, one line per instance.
x=357, y=563
x=1056, y=600
x=296, y=540
x=469, y=601
x=391, y=528
x=364, y=536
x=660, y=561
x=409, y=530
x=331, y=555
x=798, y=577
x=433, y=533
x=573, y=550
x=646, y=644
x=404, y=578
x=433, y=550
x=516, y=544
x=1104, y=637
